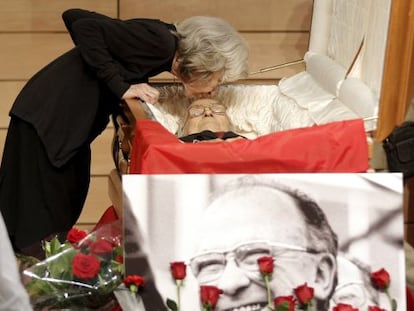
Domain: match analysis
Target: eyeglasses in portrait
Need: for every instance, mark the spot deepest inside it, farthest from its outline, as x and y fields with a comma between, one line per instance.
x=334, y=234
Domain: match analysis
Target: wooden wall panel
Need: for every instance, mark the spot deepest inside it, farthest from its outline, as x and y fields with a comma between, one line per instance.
x=245, y=15
x=23, y=54
x=8, y=92
x=268, y=49
x=3, y=133
x=102, y=162
x=115, y=191
x=45, y=15
x=97, y=201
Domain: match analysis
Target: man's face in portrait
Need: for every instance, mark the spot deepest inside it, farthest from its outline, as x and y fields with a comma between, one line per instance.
x=241, y=226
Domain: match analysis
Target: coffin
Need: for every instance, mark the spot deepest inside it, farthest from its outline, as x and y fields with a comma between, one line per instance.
x=341, y=84
x=322, y=119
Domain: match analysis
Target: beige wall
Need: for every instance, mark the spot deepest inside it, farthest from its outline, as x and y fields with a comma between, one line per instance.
x=32, y=34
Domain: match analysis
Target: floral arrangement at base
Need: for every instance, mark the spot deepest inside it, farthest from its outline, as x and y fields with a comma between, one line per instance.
x=83, y=271
x=301, y=298
x=86, y=272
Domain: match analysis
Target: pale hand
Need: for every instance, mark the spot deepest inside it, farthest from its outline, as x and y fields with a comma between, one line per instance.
x=142, y=91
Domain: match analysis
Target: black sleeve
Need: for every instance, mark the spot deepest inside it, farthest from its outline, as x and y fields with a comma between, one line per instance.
x=88, y=35
x=121, y=52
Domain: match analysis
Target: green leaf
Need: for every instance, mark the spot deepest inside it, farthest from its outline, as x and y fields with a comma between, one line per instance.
x=282, y=307
x=393, y=305
x=38, y=288
x=52, y=247
x=26, y=261
x=61, y=267
x=172, y=305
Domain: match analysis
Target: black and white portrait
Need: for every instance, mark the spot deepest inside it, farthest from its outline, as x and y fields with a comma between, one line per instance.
x=330, y=231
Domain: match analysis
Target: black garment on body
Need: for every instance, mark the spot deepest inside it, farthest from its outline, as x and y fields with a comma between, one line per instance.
x=38, y=199
x=44, y=175
x=69, y=101
x=209, y=135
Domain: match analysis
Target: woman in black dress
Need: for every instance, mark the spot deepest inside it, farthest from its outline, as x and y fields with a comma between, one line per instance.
x=45, y=170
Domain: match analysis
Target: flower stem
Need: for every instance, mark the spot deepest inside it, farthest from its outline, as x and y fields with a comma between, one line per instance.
x=269, y=297
x=178, y=282
x=393, y=302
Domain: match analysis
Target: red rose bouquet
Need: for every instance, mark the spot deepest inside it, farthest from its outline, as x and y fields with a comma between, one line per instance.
x=83, y=271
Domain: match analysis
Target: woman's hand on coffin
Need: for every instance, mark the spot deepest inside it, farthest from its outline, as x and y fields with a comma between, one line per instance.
x=142, y=91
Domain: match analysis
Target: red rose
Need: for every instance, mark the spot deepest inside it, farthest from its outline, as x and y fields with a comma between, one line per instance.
x=101, y=247
x=136, y=280
x=344, y=307
x=304, y=294
x=284, y=303
x=375, y=308
x=209, y=295
x=119, y=258
x=85, y=266
x=265, y=265
x=178, y=270
x=380, y=279
x=74, y=236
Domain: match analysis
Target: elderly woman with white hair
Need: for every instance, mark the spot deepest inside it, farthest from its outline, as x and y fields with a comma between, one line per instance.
x=45, y=170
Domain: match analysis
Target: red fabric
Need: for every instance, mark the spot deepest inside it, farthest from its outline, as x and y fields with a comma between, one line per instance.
x=334, y=147
x=410, y=300
x=107, y=217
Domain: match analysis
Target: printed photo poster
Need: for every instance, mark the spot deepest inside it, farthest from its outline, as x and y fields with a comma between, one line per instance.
x=331, y=232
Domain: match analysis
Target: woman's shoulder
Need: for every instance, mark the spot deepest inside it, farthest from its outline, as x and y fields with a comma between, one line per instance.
x=156, y=24
x=155, y=30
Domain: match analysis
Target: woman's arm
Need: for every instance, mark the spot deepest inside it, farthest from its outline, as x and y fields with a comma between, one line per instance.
x=88, y=35
x=120, y=51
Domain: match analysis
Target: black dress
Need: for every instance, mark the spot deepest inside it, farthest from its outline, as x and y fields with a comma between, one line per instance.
x=44, y=175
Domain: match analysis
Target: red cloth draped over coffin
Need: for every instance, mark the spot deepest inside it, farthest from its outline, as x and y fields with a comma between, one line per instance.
x=334, y=147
